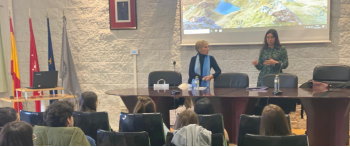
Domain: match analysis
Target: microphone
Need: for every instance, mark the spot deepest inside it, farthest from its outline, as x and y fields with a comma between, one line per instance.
x=174, y=92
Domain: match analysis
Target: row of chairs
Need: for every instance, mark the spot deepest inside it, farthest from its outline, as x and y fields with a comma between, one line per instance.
x=147, y=129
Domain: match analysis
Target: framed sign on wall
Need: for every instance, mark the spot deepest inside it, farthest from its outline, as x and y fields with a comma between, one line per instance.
x=122, y=14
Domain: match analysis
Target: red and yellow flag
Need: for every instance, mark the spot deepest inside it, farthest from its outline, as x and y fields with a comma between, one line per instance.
x=16, y=82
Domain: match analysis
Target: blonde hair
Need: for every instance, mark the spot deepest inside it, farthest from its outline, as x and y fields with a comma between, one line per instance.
x=274, y=122
x=185, y=118
x=145, y=105
x=200, y=44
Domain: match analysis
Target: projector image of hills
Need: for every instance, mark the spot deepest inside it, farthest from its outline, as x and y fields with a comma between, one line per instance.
x=214, y=14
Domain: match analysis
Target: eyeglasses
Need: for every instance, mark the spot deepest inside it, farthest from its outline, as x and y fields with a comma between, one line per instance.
x=34, y=137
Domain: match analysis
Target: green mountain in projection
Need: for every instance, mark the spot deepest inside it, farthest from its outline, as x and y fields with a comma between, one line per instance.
x=260, y=13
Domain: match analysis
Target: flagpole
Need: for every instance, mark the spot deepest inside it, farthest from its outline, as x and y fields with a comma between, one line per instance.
x=30, y=16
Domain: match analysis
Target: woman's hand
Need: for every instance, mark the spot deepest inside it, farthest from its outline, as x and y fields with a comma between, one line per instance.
x=207, y=78
x=270, y=62
x=255, y=62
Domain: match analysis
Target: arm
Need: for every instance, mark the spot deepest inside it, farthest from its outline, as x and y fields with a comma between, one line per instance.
x=283, y=59
x=191, y=72
x=215, y=66
x=260, y=62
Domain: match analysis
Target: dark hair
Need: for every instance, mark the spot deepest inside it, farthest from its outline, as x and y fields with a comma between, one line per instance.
x=145, y=105
x=88, y=102
x=57, y=113
x=17, y=133
x=274, y=122
x=7, y=114
x=277, y=40
x=204, y=106
x=185, y=118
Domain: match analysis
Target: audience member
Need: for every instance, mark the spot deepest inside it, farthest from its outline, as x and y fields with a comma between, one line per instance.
x=7, y=114
x=187, y=131
x=17, y=133
x=88, y=102
x=274, y=122
x=146, y=105
x=204, y=106
x=59, y=130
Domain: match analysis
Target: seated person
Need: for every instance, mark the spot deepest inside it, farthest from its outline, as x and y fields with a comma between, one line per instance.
x=274, y=122
x=7, y=114
x=88, y=102
x=204, y=106
x=146, y=105
x=187, y=131
x=17, y=133
x=59, y=130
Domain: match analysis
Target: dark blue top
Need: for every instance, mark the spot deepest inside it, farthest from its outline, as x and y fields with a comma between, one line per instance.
x=213, y=64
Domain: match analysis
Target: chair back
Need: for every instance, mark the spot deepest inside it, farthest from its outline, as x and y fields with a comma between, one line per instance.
x=258, y=140
x=231, y=80
x=250, y=124
x=286, y=80
x=212, y=122
x=171, y=77
x=33, y=118
x=216, y=139
x=110, y=138
x=152, y=123
x=332, y=73
x=90, y=122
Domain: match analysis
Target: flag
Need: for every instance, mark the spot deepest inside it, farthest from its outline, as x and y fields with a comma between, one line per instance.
x=51, y=60
x=33, y=64
x=3, y=77
x=16, y=82
x=68, y=74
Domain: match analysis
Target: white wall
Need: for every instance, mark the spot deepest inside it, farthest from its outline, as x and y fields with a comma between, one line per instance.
x=102, y=55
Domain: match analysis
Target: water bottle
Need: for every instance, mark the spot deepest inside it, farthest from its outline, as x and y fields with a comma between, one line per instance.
x=196, y=83
x=277, y=83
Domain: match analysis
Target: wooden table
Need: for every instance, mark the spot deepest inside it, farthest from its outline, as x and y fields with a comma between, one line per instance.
x=327, y=112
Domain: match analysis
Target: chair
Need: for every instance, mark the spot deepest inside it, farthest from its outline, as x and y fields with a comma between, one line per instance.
x=286, y=81
x=258, y=140
x=232, y=80
x=152, y=123
x=216, y=139
x=250, y=124
x=332, y=74
x=107, y=138
x=171, y=77
x=90, y=122
x=33, y=118
x=212, y=122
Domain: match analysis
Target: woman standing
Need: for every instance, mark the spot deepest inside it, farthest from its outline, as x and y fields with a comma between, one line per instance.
x=272, y=56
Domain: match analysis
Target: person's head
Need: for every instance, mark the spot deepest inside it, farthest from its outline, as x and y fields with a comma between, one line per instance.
x=88, y=102
x=185, y=118
x=271, y=39
x=204, y=106
x=274, y=122
x=7, y=114
x=59, y=114
x=123, y=4
x=17, y=133
x=145, y=105
x=202, y=47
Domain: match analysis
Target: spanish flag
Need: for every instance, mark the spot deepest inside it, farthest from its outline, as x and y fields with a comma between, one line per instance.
x=16, y=82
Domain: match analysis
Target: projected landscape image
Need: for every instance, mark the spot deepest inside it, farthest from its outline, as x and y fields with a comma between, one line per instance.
x=223, y=14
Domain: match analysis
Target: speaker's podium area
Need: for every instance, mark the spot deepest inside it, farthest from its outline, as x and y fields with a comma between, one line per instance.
x=27, y=98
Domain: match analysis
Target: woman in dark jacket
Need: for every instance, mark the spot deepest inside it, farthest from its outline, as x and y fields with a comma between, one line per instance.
x=201, y=65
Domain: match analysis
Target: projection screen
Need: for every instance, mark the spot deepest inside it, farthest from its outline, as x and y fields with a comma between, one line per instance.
x=238, y=22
